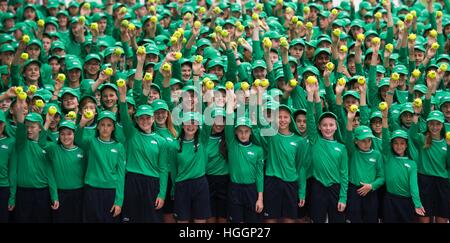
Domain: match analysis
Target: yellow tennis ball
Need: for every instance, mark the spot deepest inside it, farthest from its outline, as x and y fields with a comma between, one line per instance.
x=267, y=42
x=353, y=108
x=199, y=59
x=412, y=37
x=334, y=11
x=330, y=66
x=417, y=103
x=229, y=85
x=88, y=114
x=241, y=28
x=181, y=30
x=413, y=13
x=109, y=71
x=94, y=26
x=257, y=82
x=311, y=80
x=389, y=47
x=416, y=73
x=435, y=46
x=124, y=23
x=188, y=16
x=141, y=50
x=123, y=10
x=148, y=76
x=118, y=51
x=224, y=33
x=166, y=67
x=173, y=40
x=131, y=27
x=343, y=48
x=447, y=135
x=265, y=83
x=337, y=32
x=52, y=110
x=376, y=40
x=409, y=17
x=210, y=85
x=255, y=16
x=378, y=15
x=41, y=23
x=280, y=2
x=395, y=76
x=61, y=77
x=24, y=56
x=259, y=6
x=72, y=115
x=18, y=89
x=361, y=80
x=299, y=23
x=152, y=9
x=433, y=33
x=383, y=106
x=120, y=82
x=431, y=74
x=293, y=82
x=306, y=10
x=39, y=103
x=178, y=55
x=360, y=37
x=32, y=88
x=245, y=86
x=22, y=96
x=197, y=24
x=153, y=19
x=439, y=14
x=82, y=19
x=342, y=81
x=443, y=67
x=202, y=10
x=217, y=10
x=177, y=34
x=309, y=25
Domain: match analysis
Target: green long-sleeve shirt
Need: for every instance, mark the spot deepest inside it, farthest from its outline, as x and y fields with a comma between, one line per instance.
x=189, y=164
x=146, y=152
x=106, y=164
x=216, y=163
x=329, y=157
x=433, y=160
x=400, y=173
x=69, y=166
x=6, y=149
x=246, y=162
x=365, y=167
x=32, y=169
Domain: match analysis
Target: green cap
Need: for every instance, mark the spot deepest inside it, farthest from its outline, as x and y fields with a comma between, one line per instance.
x=311, y=69
x=216, y=62
x=92, y=56
x=107, y=114
x=73, y=92
x=259, y=63
x=420, y=88
x=407, y=107
x=327, y=114
x=363, y=132
x=160, y=104
x=189, y=116
x=243, y=121
x=34, y=117
x=352, y=93
x=144, y=110
x=130, y=100
x=436, y=116
x=401, y=69
x=272, y=34
x=298, y=41
x=106, y=85
x=380, y=69
x=218, y=112
x=443, y=100
x=384, y=82
x=376, y=114
x=67, y=124
x=7, y=48
x=75, y=64
x=399, y=134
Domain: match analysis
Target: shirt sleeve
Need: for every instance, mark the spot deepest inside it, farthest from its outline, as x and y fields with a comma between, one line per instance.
x=120, y=182
x=344, y=178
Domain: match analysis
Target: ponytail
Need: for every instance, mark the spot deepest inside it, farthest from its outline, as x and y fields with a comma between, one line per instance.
x=223, y=146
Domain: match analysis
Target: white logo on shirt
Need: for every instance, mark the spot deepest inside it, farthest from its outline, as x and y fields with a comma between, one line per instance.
x=80, y=156
x=250, y=153
x=294, y=144
x=337, y=149
x=44, y=152
x=169, y=139
x=114, y=150
x=154, y=142
x=4, y=146
x=372, y=160
x=444, y=148
x=407, y=165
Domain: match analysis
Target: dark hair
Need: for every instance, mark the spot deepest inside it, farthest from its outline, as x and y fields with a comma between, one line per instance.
x=181, y=139
x=113, y=136
x=429, y=139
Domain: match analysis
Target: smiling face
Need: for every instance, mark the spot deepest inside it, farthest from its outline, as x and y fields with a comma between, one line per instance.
x=109, y=97
x=32, y=72
x=399, y=145
x=145, y=123
x=219, y=124
x=161, y=117
x=327, y=127
x=66, y=137
x=190, y=128
x=69, y=102
x=435, y=128
x=321, y=60
x=406, y=118
x=284, y=119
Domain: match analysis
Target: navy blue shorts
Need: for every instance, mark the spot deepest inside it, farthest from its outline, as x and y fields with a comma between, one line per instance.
x=218, y=194
x=398, y=209
x=4, y=197
x=324, y=201
x=381, y=193
x=434, y=195
x=168, y=203
x=280, y=198
x=139, y=199
x=97, y=204
x=361, y=209
x=304, y=211
x=192, y=199
x=70, y=206
x=242, y=203
x=33, y=205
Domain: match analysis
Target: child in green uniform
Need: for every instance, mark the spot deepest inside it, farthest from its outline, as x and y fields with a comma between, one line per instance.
x=6, y=150
x=366, y=174
x=105, y=173
x=31, y=171
x=69, y=165
x=217, y=168
x=146, y=169
x=402, y=196
x=433, y=166
x=246, y=167
x=188, y=169
x=163, y=126
x=329, y=163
